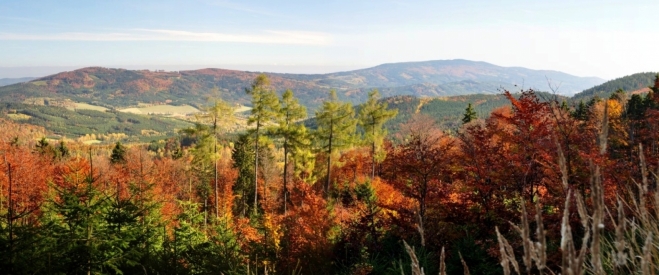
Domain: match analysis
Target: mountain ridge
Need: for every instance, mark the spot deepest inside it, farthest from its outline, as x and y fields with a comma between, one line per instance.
x=121, y=87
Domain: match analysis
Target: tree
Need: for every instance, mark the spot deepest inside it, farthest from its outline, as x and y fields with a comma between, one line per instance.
x=418, y=166
x=372, y=116
x=62, y=150
x=336, y=128
x=469, y=115
x=220, y=115
x=265, y=109
x=118, y=154
x=243, y=160
x=293, y=133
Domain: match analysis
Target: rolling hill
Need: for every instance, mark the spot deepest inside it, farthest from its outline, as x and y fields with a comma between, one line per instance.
x=115, y=88
x=628, y=83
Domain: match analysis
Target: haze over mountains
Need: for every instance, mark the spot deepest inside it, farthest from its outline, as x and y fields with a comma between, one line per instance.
x=9, y=81
x=120, y=87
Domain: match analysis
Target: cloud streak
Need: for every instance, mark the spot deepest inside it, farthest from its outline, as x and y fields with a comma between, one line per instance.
x=265, y=37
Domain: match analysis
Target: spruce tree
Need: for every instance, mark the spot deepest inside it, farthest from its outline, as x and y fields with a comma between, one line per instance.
x=469, y=114
x=265, y=110
x=118, y=154
x=336, y=129
x=372, y=117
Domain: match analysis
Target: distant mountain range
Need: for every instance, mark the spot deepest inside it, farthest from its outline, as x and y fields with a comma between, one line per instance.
x=121, y=88
x=9, y=81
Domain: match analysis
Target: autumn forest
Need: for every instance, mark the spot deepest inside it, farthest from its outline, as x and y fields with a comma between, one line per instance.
x=540, y=186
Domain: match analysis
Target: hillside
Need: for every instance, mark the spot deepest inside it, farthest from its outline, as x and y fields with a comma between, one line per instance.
x=114, y=88
x=628, y=83
x=80, y=122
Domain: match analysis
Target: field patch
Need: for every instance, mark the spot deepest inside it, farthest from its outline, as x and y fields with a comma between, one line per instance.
x=18, y=116
x=170, y=110
x=85, y=106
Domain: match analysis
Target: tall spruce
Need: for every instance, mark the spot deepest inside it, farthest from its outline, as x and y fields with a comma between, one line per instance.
x=265, y=110
x=336, y=129
x=469, y=114
x=118, y=154
x=294, y=134
x=372, y=116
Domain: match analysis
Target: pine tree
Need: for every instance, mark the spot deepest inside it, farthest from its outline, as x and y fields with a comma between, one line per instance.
x=118, y=154
x=469, y=115
x=582, y=112
x=372, y=116
x=265, y=109
x=294, y=134
x=336, y=129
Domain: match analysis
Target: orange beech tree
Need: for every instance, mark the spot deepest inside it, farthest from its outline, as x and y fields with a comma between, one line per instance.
x=421, y=169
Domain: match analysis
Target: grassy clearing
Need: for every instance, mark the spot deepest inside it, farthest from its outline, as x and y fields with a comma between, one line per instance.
x=162, y=110
x=19, y=116
x=85, y=106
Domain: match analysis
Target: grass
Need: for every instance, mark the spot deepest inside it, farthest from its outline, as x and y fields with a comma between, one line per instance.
x=163, y=110
x=19, y=116
x=85, y=106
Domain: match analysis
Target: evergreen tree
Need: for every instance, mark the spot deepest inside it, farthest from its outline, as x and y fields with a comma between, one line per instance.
x=118, y=154
x=469, y=114
x=43, y=147
x=372, y=117
x=582, y=112
x=265, y=109
x=62, y=150
x=243, y=160
x=220, y=114
x=294, y=134
x=336, y=129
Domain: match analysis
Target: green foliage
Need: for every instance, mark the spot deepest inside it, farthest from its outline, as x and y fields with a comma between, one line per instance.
x=243, y=160
x=265, y=111
x=469, y=115
x=82, y=122
x=118, y=155
x=336, y=129
x=293, y=134
x=372, y=116
x=627, y=83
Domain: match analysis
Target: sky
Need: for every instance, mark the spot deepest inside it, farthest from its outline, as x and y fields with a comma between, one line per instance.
x=607, y=39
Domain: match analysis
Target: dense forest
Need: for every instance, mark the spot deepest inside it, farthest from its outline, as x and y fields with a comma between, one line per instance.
x=628, y=83
x=536, y=187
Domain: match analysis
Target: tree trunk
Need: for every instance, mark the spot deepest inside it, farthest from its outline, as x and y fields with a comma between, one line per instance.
x=329, y=157
x=256, y=168
x=285, y=174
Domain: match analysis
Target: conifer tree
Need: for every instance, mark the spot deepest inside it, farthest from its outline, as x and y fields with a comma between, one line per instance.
x=265, y=109
x=372, y=116
x=294, y=134
x=62, y=150
x=336, y=129
x=118, y=153
x=220, y=115
x=469, y=115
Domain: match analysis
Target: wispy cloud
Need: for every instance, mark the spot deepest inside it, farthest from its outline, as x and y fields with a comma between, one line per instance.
x=238, y=7
x=264, y=37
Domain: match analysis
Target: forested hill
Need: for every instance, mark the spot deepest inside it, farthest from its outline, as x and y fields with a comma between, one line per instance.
x=120, y=87
x=628, y=83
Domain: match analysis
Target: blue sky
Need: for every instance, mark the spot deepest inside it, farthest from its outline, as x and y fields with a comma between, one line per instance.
x=587, y=38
